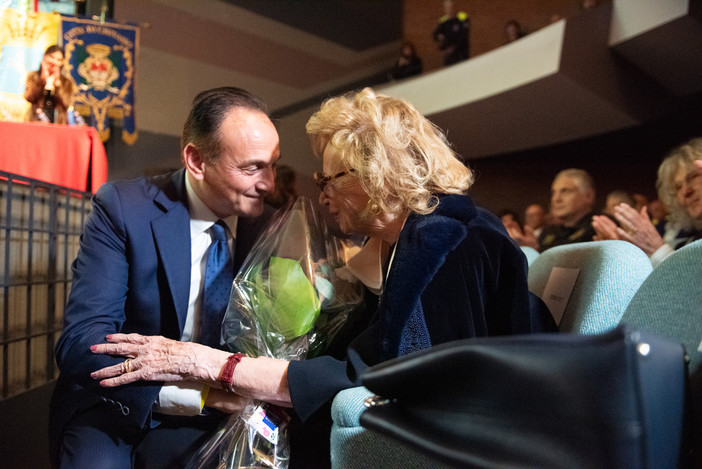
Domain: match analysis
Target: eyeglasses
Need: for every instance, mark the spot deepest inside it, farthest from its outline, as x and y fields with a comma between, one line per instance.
x=322, y=180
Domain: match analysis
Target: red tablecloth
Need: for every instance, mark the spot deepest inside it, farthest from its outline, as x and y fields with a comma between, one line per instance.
x=71, y=156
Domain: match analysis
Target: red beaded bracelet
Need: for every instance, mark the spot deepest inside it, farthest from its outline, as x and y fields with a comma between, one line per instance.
x=228, y=372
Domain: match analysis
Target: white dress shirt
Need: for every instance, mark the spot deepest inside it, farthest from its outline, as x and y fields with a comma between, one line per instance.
x=186, y=398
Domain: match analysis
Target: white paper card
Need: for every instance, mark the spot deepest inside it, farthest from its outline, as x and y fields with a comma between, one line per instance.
x=558, y=289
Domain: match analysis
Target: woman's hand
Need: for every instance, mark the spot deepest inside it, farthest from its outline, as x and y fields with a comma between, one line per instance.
x=156, y=358
x=635, y=227
x=50, y=72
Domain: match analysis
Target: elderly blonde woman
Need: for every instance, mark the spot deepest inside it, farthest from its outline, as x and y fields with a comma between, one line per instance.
x=445, y=268
x=679, y=187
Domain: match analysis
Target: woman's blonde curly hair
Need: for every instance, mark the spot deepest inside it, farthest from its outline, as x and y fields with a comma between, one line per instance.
x=401, y=159
x=681, y=157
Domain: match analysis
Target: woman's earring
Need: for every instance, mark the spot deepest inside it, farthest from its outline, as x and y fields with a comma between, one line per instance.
x=373, y=207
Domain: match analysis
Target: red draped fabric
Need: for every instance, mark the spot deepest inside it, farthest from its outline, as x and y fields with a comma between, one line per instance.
x=71, y=156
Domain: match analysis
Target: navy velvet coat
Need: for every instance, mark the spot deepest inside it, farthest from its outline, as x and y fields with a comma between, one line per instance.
x=456, y=274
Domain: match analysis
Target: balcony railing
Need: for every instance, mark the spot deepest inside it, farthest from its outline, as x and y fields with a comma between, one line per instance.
x=40, y=227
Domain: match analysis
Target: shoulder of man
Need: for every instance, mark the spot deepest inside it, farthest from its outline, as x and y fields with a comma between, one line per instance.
x=166, y=189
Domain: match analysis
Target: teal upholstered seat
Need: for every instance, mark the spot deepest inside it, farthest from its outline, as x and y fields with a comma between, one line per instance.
x=610, y=272
x=530, y=253
x=669, y=303
x=352, y=446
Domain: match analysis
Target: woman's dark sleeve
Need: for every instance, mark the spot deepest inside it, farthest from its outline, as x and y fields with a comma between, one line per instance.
x=315, y=382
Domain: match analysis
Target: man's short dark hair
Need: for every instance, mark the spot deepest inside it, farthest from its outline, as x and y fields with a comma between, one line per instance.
x=210, y=107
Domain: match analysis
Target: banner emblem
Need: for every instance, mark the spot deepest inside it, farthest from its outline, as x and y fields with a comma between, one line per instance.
x=101, y=62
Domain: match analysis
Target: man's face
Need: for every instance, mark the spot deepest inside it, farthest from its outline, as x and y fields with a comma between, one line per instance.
x=568, y=202
x=245, y=170
x=534, y=216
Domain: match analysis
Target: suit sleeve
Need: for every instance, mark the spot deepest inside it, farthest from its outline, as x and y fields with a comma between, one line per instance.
x=96, y=305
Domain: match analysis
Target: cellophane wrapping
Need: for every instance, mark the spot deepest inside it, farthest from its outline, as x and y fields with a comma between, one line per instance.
x=286, y=302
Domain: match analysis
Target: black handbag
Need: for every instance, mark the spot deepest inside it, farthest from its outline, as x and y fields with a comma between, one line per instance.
x=547, y=400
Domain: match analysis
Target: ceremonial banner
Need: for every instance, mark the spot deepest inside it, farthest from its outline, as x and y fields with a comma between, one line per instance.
x=24, y=36
x=101, y=60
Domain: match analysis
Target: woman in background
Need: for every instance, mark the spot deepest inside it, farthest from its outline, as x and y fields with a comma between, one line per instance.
x=680, y=189
x=49, y=92
x=408, y=64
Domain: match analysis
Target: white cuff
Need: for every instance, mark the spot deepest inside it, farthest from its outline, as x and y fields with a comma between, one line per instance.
x=661, y=254
x=180, y=399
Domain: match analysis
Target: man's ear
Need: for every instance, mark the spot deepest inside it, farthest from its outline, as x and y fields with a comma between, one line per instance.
x=194, y=161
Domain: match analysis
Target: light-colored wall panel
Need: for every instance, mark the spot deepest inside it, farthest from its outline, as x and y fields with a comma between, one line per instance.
x=168, y=83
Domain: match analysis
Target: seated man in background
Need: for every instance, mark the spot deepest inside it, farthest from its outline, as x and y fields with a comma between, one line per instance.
x=615, y=198
x=572, y=198
x=534, y=220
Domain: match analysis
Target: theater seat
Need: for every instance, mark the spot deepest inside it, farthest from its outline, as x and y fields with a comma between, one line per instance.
x=353, y=446
x=669, y=303
x=608, y=275
x=530, y=253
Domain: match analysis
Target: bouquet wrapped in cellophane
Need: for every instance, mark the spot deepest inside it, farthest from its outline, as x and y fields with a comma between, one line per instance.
x=287, y=302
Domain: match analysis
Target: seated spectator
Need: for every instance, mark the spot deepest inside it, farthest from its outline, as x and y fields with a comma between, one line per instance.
x=572, y=198
x=615, y=198
x=508, y=217
x=524, y=236
x=535, y=219
x=408, y=63
x=659, y=215
x=514, y=31
x=284, y=193
x=680, y=189
x=640, y=201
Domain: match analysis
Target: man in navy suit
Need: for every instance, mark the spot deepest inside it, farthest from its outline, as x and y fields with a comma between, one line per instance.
x=141, y=268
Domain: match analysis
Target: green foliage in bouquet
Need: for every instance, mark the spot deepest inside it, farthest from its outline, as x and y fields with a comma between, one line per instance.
x=287, y=303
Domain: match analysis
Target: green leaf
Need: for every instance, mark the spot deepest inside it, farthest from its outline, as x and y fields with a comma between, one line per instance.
x=295, y=303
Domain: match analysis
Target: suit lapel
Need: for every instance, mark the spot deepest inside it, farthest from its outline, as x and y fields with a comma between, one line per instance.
x=171, y=233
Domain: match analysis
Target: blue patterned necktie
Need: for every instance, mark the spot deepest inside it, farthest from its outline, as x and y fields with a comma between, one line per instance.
x=219, y=275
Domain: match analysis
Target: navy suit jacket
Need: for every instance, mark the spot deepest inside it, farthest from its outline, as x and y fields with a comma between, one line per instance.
x=131, y=274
